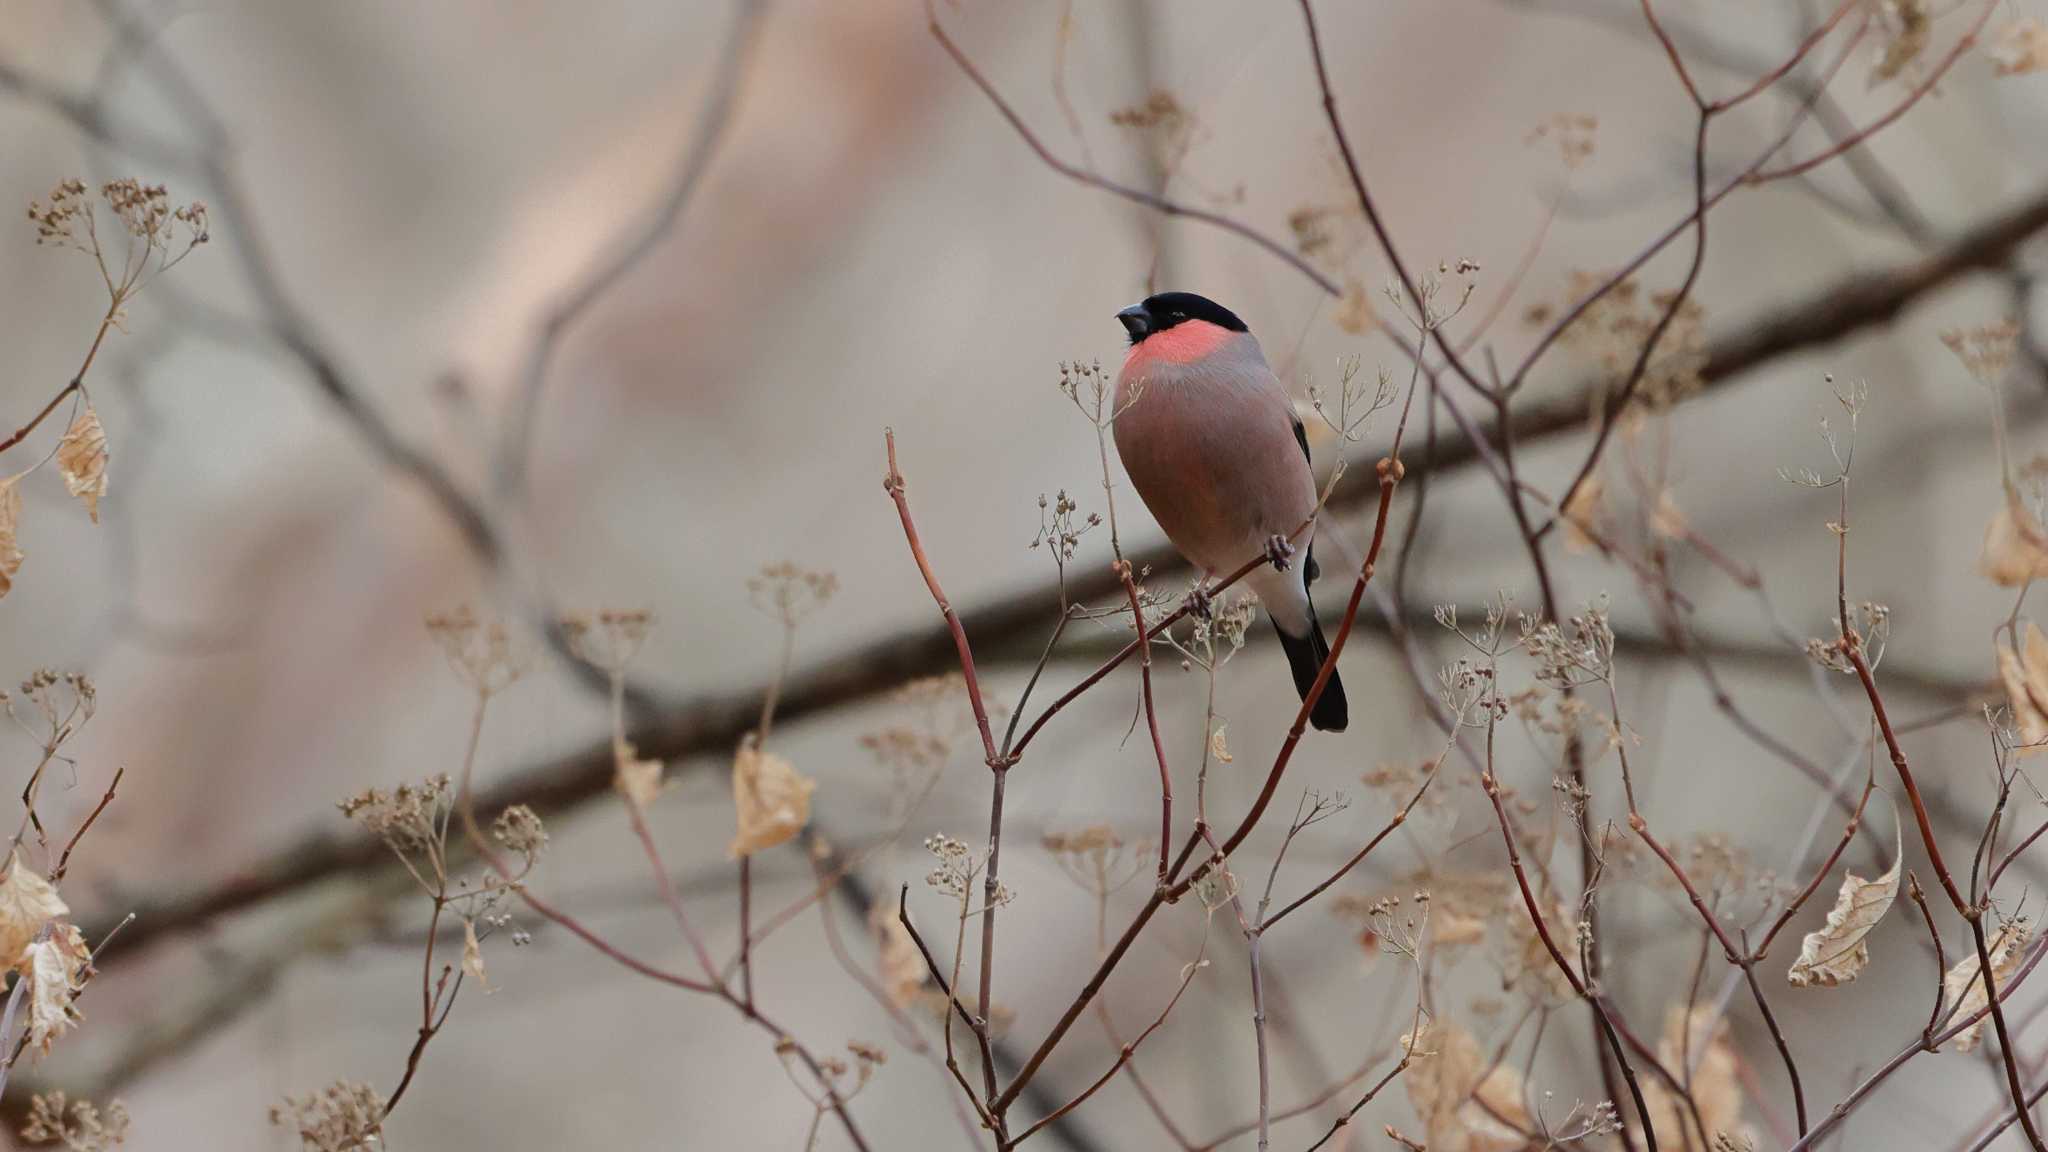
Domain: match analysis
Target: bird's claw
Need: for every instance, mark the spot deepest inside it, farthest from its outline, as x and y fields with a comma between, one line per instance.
x=1198, y=602
x=1278, y=550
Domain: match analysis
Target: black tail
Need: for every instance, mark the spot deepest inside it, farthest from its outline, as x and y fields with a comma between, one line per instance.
x=1305, y=656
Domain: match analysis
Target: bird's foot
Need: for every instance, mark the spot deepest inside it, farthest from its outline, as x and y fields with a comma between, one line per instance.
x=1278, y=550
x=1198, y=601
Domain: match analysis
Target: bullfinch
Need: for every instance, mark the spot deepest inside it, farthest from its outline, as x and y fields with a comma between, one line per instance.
x=1211, y=442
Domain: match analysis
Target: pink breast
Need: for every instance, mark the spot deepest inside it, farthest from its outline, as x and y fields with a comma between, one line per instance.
x=1183, y=343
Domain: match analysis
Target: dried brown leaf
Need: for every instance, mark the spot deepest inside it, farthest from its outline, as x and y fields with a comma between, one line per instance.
x=473, y=956
x=1716, y=1082
x=1837, y=951
x=1457, y=1097
x=1963, y=985
x=2015, y=546
x=82, y=458
x=2025, y=676
x=27, y=902
x=772, y=801
x=1218, y=746
x=902, y=966
x=639, y=781
x=54, y=968
x=1911, y=27
x=1583, y=515
x=10, y=524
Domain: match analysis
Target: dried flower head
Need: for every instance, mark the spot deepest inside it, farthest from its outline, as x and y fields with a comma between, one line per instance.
x=1350, y=413
x=410, y=818
x=484, y=653
x=789, y=593
x=1579, y=652
x=1060, y=527
x=611, y=639
x=343, y=1117
x=955, y=868
x=158, y=233
x=520, y=830
x=77, y=1125
x=1573, y=135
x=63, y=703
x=1611, y=331
x=1986, y=351
x=1097, y=857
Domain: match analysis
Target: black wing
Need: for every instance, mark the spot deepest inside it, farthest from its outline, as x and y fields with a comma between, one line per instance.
x=1309, y=571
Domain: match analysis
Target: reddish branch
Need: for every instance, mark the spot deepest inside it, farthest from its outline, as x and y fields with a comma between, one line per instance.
x=1177, y=878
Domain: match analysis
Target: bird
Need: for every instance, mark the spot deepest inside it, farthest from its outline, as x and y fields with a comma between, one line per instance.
x=1210, y=440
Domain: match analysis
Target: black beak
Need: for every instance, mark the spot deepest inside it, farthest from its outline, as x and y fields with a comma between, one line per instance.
x=1136, y=321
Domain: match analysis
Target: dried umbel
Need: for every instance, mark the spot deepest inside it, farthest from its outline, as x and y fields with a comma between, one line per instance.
x=1574, y=136
x=1060, y=526
x=789, y=593
x=611, y=639
x=1986, y=351
x=1097, y=858
x=1580, y=651
x=410, y=818
x=157, y=233
x=63, y=702
x=519, y=830
x=75, y=1125
x=343, y=1117
x=484, y=653
x=956, y=868
x=1612, y=330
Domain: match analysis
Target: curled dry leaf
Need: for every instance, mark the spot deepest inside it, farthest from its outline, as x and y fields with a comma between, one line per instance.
x=639, y=781
x=82, y=458
x=1838, y=950
x=773, y=802
x=473, y=956
x=55, y=970
x=1218, y=746
x=27, y=902
x=2025, y=675
x=10, y=524
x=2015, y=546
x=1963, y=986
x=1460, y=1101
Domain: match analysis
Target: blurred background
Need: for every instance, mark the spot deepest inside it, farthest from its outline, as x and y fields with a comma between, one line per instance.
x=865, y=243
